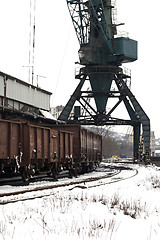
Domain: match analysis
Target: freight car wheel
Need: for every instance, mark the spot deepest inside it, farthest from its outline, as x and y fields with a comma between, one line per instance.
x=55, y=172
x=25, y=175
x=55, y=176
x=73, y=172
x=49, y=174
x=78, y=169
x=90, y=167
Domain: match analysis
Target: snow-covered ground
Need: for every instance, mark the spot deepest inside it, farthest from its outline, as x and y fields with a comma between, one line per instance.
x=124, y=210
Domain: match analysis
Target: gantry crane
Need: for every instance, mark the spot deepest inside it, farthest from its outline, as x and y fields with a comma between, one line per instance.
x=101, y=55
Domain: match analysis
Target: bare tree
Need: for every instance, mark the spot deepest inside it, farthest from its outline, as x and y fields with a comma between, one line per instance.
x=113, y=144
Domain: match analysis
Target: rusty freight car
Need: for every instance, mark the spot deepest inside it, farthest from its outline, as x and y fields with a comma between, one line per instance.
x=87, y=146
x=46, y=150
x=39, y=147
x=29, y=148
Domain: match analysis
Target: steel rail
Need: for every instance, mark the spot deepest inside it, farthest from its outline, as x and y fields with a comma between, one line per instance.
x=19, y=194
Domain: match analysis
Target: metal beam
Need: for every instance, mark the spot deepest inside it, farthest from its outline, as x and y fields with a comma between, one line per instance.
x=144, y=119
x=68, y=108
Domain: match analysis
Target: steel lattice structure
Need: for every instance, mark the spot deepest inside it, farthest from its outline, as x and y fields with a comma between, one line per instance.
x=101, y=55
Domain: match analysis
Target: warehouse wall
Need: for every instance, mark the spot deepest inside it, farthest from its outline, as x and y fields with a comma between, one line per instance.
x=22, y=92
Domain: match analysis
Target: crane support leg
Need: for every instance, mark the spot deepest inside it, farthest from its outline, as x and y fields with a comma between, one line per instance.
x=136, y=127
x=142, y=116
x=68, y=108
x=136, y=141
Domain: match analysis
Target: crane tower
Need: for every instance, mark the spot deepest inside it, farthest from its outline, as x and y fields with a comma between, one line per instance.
x=101, y=56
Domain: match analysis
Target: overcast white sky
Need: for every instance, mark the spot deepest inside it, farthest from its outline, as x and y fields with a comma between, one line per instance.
x=57, y=46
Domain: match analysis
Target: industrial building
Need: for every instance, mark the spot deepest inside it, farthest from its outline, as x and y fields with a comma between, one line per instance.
x=22, y=101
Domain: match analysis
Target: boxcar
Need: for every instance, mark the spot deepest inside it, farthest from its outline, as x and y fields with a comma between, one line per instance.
x=87, y=146
x=46, y=150
x=39, y=150
x=28, y=149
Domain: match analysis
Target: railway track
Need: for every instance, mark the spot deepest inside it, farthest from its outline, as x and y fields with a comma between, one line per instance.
x=105, y=175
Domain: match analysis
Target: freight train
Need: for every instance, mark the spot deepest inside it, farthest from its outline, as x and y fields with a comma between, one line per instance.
x=27, y=149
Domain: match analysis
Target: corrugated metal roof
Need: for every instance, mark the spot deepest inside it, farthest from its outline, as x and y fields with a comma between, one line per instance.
x=48, y=115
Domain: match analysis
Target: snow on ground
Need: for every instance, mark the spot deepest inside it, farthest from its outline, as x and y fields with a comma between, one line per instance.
x=128, y=209
x=99, y=172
